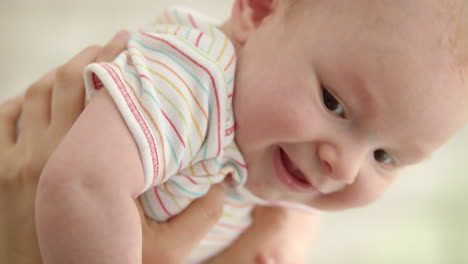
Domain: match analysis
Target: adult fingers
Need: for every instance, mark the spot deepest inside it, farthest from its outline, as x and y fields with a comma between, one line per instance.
x=36, y=110
x=114, y=47
x=68, y=95
x=198, y=218
x=9, y=114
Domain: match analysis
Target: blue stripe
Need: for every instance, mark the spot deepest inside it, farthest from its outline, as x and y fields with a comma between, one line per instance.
x=152, y=97
x=175, y=61
x=235, y=197
x=205, y=149
x=171, y=146
x=187, y=34
x=136, y=77
x=179, y=20
x=241, y=179
x=218, y=163
x=148, y=205
x=185, y=190
x=174, y=155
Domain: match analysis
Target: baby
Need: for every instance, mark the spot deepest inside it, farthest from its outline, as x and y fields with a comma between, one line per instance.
x=322, y=102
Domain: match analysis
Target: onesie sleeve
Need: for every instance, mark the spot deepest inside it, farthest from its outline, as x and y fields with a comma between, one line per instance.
x=171, y=96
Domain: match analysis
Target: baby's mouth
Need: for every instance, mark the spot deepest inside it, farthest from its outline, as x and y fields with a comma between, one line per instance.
x=292, y=169
x=290, y=175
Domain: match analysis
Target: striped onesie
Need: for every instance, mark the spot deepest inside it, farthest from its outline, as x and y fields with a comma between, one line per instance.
x=174, y=87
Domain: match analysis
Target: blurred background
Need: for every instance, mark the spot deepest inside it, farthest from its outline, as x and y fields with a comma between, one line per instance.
x=422, y=219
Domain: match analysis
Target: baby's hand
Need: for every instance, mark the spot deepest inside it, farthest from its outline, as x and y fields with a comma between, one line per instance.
x=278, y=235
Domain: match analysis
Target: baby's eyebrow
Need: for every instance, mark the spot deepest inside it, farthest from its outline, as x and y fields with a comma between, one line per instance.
x=362, y=89
x=413, y=153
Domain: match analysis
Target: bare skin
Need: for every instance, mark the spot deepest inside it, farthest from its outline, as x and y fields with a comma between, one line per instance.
x=48, y=110
x=364, y=93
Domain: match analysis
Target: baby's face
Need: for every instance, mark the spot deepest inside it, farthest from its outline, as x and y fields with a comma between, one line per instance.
x=332, y=104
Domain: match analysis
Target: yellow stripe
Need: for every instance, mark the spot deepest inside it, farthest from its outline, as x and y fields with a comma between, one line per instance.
x=175, y=73
x=182, y=117
x=209, y=180
x=230, y=216
x=192, y=170
x=213, y=39
x=150, y=117
x=205, y=168
x=230, y=61
x=223, y=49
x=190, y=45
x=200, y=133
x=232, y=147
x=172, y=196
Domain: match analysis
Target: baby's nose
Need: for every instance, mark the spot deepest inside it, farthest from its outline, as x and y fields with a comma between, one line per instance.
x=339, y=163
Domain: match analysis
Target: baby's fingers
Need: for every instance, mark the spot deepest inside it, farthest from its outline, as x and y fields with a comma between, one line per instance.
x=9, y=114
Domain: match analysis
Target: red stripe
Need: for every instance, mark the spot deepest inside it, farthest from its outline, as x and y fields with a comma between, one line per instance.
x=160, y=202
x=178, y=28
x=198, y=39
x=145, y=77
x=230, y=130
x=237, y=162
x=212, y=81
x=137, y=115
x=169, y=18
x=175, y=129
x=167, y=118
x=192, y=21
x=180, y=166
x=190, y=179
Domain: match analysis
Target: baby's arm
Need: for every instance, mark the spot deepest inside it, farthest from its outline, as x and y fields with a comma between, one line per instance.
x=85, y=209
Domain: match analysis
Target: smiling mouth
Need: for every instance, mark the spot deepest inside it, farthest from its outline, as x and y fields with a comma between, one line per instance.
x=292, y=169
x=289, y=174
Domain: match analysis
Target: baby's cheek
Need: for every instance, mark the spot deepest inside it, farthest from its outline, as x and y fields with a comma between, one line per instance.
x=366, y=191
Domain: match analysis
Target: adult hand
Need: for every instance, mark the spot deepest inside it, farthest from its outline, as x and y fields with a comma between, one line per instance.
x=46, y=113
x=277, y=236
x=172, y=242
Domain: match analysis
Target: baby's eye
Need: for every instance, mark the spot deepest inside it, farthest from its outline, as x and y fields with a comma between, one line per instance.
x=382, y=157
x=332, y=104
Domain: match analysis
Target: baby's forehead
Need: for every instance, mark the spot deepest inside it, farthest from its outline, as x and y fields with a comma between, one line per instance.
x=438, y=26
x=454, y=14
x=442, y=21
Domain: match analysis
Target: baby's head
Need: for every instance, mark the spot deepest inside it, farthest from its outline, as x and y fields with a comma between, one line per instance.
x=334, y=97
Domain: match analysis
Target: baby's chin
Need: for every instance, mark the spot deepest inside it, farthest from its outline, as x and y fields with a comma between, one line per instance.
x=260, y=193
x=272, y=195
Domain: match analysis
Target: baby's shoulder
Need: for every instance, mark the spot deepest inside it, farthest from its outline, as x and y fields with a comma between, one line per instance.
x=201, y=35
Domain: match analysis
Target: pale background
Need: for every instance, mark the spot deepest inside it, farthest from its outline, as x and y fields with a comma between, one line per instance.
x=422, y=219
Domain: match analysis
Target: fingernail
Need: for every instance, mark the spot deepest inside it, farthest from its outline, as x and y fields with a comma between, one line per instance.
x=263, y=259
x=123, y=35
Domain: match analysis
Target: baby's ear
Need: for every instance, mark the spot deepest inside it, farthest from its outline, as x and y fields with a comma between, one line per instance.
x=247, y=16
